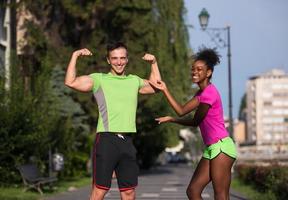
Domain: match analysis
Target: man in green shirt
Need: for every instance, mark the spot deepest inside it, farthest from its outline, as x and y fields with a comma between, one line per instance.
x=116, y=94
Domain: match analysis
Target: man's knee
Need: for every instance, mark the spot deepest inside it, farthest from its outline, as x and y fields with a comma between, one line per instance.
x=97, y=193
x=128, y=194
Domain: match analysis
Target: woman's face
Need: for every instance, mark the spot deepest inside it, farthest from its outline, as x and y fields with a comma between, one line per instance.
x=200, y=72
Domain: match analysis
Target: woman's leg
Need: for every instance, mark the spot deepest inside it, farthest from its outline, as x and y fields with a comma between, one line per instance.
x=220, y=171
x=199, y=180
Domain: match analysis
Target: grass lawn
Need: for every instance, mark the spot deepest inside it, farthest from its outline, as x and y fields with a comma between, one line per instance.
x=250, y=192
x=61, y=186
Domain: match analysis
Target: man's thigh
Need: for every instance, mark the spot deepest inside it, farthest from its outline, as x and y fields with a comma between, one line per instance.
x=127, y=169
x=105, y=158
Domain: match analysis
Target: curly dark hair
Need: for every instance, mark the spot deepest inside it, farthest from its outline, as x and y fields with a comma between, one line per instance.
x=209, y=56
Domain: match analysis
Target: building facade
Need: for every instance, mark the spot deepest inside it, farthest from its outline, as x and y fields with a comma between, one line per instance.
x=7, y=39
x=5, y=44
x=239, y=132
x=267, y=108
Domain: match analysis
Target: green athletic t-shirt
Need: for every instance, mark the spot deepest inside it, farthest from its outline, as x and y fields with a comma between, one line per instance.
x=117, y=98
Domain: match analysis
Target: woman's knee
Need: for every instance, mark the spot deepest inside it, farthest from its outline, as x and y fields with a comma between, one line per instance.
x=192, y=192
x=221, y=195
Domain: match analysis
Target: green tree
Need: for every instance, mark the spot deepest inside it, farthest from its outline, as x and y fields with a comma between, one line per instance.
x=26, y=122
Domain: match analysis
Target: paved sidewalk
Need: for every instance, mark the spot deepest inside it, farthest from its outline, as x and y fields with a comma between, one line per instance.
x=166, y=183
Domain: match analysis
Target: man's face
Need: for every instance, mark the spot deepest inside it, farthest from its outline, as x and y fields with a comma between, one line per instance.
x=118, y=60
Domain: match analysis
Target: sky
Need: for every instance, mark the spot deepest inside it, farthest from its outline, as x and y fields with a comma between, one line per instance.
x=259, y=40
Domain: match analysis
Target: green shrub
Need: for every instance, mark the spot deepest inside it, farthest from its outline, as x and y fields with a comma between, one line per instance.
x=273, y=178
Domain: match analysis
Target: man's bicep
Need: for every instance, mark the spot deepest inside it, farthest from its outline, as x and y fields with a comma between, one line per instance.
x=83, y=84
x=146, y=88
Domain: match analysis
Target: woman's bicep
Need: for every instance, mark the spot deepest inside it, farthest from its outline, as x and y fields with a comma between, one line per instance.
x=191, y=105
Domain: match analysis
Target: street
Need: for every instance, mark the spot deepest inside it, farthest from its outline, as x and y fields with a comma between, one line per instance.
x=164, y=182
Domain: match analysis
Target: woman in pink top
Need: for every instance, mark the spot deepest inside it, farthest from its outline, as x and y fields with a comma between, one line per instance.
x=220, y=152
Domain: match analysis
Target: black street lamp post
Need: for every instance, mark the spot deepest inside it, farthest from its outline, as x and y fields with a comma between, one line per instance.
x=215, y=34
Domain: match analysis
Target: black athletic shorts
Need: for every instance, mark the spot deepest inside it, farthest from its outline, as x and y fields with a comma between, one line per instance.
x=114, y=152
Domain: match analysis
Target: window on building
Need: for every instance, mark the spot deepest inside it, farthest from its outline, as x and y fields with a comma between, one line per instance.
x=267, y=103
x=2, y=61
x=2, y=28
x=280, y=94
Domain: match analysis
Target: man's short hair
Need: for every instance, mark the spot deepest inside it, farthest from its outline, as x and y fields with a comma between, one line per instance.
x=115, y=45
